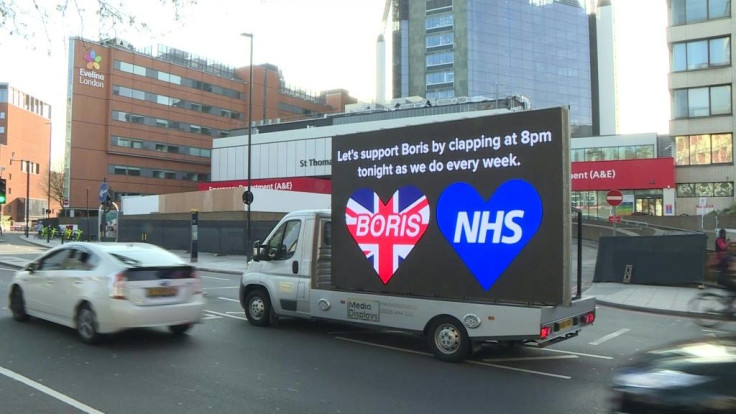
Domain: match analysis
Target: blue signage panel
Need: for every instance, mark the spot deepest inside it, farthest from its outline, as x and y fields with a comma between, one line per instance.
x=103, y=192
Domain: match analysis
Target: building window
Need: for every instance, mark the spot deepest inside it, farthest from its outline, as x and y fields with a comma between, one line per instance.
x=441, y=21
x=703, y=149
x=717, y=189
x=626, y=152
x=701, y=54
x=699, y=102
x=2, y=115
x=2, y=129
x=438, y=78
x=435, y=5
x=174, y=79
x=441, y=93
x=442, y=39
x=165, y=123
x=440, y=58
x=170, y=101
x=693, y=11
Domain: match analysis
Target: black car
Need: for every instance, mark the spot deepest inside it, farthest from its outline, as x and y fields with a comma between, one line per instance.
x=696, y=376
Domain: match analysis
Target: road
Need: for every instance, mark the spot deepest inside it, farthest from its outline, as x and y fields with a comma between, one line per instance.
x=226, y=365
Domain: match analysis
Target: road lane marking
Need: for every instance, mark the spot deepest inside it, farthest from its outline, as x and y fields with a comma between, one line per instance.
x=208, y=317
x=48, y=391
x=230, y=313
x=230, y=299
x=393, y=348
x=226, y=315
x=215, y=278
x=571, y=353
x=342, y=338
x=530, y=358
x=528, y=371
x=369, y=332
x=609, y=336
x=716, y=331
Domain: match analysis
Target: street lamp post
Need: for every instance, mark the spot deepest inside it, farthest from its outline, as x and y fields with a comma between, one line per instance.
x=28, y=185
x=87, y=214
x=48, y=189
x=250, y=127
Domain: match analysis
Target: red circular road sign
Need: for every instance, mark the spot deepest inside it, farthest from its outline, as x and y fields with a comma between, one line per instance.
x=614, y=198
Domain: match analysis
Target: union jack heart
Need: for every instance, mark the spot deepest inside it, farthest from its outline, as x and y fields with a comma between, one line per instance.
x=387, y=233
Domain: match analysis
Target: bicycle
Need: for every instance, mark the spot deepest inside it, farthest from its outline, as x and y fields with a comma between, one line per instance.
x=714, y=305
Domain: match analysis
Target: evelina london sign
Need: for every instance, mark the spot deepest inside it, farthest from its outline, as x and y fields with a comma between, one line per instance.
x=88, y=76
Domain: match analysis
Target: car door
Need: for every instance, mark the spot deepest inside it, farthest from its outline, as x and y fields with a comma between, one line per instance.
x=42, y=283
x=283, y=264
x=74, y=281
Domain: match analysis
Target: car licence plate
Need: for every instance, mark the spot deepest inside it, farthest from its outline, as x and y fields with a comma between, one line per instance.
x=161, y=292
x=564, y=324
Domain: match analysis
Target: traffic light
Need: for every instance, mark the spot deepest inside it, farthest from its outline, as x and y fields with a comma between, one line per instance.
x=2, y=191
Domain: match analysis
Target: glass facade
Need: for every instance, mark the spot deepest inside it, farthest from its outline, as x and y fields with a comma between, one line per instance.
x=177, y=102
x=704, y=149
x=700, y=102
x=701, y=54
x=176, y=79
x=693, y=11
x=540, y=50
x=593, y=204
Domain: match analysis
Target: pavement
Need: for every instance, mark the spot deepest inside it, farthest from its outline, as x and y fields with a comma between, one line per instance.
x=672, y=300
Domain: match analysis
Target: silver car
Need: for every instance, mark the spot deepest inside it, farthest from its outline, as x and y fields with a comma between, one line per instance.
x=99, y=288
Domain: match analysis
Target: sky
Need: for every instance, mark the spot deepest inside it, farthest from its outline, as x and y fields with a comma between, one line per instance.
x=317, y=44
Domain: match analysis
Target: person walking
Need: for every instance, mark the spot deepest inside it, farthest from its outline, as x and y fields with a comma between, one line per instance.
x=723, y=260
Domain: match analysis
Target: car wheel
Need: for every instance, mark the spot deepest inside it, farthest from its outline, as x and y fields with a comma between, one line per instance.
x=707, y=309
x=180, y=329
x=18, y=305
x=87, y=325
x=449, y=340
x=258, y=308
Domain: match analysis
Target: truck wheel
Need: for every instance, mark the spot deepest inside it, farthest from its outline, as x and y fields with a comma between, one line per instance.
x=258, y=308
x=449, y=340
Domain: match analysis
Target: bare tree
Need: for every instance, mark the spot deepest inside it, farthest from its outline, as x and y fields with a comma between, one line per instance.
x=31, y=18
x=52, y=186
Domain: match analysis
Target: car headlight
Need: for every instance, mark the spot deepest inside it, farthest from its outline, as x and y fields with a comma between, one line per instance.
x=659, y=379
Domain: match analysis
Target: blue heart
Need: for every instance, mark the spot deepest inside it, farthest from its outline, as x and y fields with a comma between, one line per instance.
x=468, y=223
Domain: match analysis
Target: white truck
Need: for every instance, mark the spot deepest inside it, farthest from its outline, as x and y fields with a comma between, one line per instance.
x=290, y=276
x=458, y=230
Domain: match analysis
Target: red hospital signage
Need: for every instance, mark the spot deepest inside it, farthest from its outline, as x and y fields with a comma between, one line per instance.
x=640, y=174
x=302, y=184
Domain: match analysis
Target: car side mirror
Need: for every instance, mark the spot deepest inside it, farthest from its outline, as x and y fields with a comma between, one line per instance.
x=259, y=251
x=32, y=267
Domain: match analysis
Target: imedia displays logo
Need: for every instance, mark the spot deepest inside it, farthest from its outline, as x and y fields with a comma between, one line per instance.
x=90, y=77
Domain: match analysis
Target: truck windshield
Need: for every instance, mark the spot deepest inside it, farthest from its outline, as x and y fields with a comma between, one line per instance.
x=283, y=243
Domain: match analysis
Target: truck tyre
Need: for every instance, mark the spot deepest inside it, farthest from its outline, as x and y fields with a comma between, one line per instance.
x=258, y=308
x=449, y=340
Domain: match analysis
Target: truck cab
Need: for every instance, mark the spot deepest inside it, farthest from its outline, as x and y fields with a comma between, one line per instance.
x=286, y=266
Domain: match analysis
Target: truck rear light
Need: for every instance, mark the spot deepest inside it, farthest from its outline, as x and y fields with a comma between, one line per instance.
x=197, y=283
x=118, y=286
x=544, y=331
x=588, y=317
